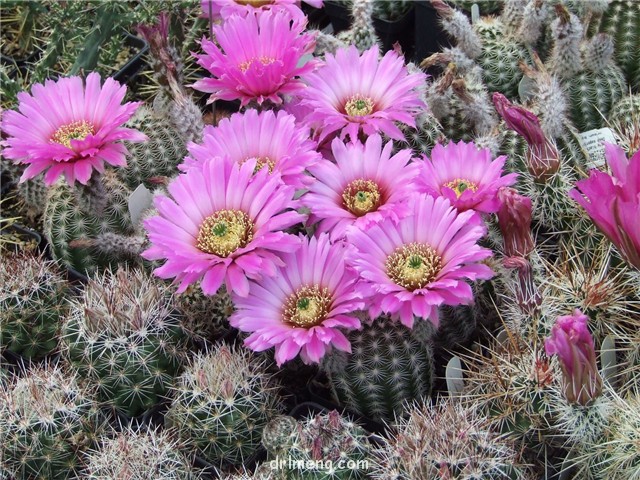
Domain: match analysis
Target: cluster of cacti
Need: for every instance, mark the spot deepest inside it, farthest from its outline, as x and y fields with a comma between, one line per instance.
x=124, y=336
x=221, y=404
x=388, y=366
x=206, y=316
x=47, y=419
x=323, y=446
x=32, y=305
x=137, y=453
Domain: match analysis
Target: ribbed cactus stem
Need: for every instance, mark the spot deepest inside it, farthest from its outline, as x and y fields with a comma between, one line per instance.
x=512, y=15
x=93, y=196
x=326, y=43
x=362, y=29
x=598, y=53
x=534, y=19
x=457, y=24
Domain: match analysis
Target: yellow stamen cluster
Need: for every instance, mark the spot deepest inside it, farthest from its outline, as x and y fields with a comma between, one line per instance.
x=358, y=106
x=261, y=162
x=255, y=3
x=459, y=185
x=307, y=307
x=224, y=232
x=72, y=131
x=413, y=266
x=244, y=66
x=361, y=197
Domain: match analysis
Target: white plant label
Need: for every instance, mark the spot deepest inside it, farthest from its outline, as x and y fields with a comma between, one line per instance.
x=592, y=143
x=140, y=200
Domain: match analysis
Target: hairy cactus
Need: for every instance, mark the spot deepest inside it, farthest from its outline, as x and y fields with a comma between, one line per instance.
x=138, y=454
x=363, y=33
x=46, y=421
x=448, y=440
x=222, y=403
x=389, y=365
x=124, y=336
x=32, y=304
x=324, y=446
x=622, y=22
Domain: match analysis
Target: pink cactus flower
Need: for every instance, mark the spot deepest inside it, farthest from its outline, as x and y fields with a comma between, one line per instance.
x=543, y=159
x=613, y=201
x=422, y=262
x=302, y=309
x=225, y=8
x=257, y=59
x=272, y=139
x=356, y=93
x=69, y=129
x=514, y=220
x=223, y=224
x=466, y=176
x=571, y=341
x=364, y=186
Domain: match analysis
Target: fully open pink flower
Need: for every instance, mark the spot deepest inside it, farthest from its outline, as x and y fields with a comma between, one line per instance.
x=223, y=224
x=571, y=340
x=613, y=201
x=302, y=309
x=226, y=8
x=273, y=140
x=67, y=129
x=364, y=186
x=466, y=176
x=257, y=59
x=354, y=93
x=421, y=262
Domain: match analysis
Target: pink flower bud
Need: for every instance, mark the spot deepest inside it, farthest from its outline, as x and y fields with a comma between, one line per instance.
x=542, y=156
x=571, y=340
x=514, y=219
x=527, y=294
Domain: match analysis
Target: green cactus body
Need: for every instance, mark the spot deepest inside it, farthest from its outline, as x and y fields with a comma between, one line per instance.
x=487, y=7
x=622, y=22
x=626, y=112
x=222, y=403
x=427, y=134
x=500, y=57
x=68, y=218
x=124, y=335
x=593, y=94
x=31, y=305
x=157, y=157
x=333, y=446
x=46, y=421
x=138, y=454
x=206, y=316
x=388, y=366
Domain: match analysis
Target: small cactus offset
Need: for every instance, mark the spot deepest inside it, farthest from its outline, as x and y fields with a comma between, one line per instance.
x=32, y=304
x=124, y=336
x=206, y=316
x=389, y=365
x=324, y=446
x=363, y=33
x=222, y=403
x=446, y=440
x=47, y=419
x=136, y=453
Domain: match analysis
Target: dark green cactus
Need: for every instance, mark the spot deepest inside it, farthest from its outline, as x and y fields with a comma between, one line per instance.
x=222, y=403
x=389, y=365
x=47, y=419
x=622, y=22
x=32, y=304
x=124, y=336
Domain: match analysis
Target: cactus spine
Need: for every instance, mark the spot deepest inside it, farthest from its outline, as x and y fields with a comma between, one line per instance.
x=124, y=335
x=388, y=366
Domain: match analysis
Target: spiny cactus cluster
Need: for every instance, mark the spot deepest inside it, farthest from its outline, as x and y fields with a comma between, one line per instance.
x=388, y=366
x=32, y=304
x=221, y=404
x=47, y=418
x=124, y=335
x=136, y=453
x=206, y=316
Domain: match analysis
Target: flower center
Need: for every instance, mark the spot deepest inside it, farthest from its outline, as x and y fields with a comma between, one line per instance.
x=413, y=266
x=261, y=162
x=361, y=197
x=254, y=3
x=459, y=185
x=307, y=307
x=358, y=106
x=72, y=131
x=224, y=232
x=244, y=66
